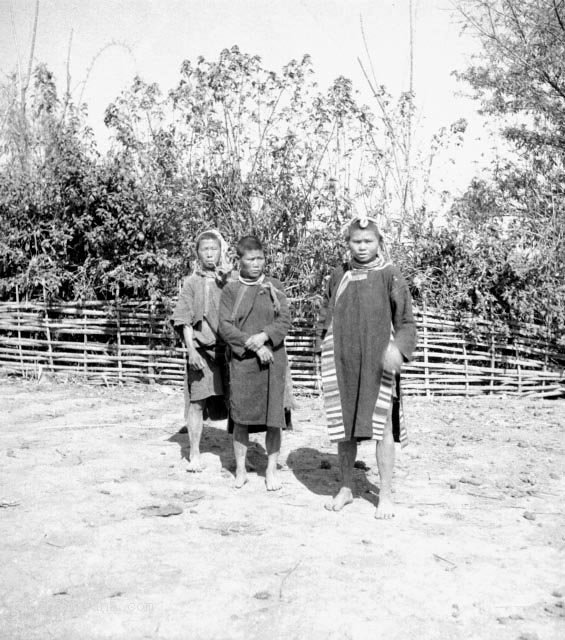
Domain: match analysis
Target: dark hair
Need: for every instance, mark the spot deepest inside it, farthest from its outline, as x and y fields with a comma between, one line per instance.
x=371, y=226
x=248, y=243
x=207, y=235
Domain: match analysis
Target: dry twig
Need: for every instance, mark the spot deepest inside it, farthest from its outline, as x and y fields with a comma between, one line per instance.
x=286, y=575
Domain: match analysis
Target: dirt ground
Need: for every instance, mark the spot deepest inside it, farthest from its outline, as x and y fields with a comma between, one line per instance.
x=475, y=550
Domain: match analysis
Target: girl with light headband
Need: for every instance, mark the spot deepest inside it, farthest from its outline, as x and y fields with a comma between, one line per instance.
x=368, y=332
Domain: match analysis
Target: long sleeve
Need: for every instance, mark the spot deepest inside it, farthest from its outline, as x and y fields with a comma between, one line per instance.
x=278, y=328
x=402, y=318
x=183, y=314
x=235, y=338
x=325, y=313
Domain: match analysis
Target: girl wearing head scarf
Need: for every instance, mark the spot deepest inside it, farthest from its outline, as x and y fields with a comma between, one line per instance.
x=196, y=319
x=368, y=332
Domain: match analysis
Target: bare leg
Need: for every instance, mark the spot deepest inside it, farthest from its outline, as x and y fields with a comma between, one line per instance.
x=273, y=445
x=347, y=452
x=240, y=445
x=385, y=464
x=194, y=414
x=186, y=394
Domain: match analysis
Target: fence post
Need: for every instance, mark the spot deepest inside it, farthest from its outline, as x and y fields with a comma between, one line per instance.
x=426, y=360
x=84, y=343
x=151, y=357
x=318, y=373
x=547, y=342
x=492, y=359
x=24, y=370
x=518, y=365
x=48, y=330
x=119, y=336
x=466, y=365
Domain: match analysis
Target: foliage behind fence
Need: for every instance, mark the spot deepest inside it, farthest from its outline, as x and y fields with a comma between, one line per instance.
x=245, y=149
x=133, y=342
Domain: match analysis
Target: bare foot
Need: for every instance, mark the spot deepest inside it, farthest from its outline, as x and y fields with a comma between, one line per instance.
x=240, y=479
x=272, y=481
x=343, y=498
x=385, y=508
x=195, y=465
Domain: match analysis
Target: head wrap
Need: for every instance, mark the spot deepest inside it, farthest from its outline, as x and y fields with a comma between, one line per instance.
x=224, y=267
x=363, y=221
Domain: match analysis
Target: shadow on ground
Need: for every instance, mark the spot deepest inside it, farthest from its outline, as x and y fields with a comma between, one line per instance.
x=317, y=471
x=310, y=467
x=218, y=442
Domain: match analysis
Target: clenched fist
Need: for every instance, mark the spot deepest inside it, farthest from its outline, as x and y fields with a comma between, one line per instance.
x=265, y=355
x=392, y=360
x=195, y=361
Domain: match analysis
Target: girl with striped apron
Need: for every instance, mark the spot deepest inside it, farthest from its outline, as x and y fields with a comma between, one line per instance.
x=368, y=332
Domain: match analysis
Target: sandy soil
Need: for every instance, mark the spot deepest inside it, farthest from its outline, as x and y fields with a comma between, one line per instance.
x=475, y=551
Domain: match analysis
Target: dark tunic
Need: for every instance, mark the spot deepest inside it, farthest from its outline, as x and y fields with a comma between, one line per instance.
x=372, y=303
x=256, y=390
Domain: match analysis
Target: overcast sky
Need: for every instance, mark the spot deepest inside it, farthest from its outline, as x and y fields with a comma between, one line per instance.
x=152, y=37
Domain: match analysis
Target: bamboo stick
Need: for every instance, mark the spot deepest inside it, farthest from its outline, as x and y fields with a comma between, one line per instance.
x=119, y=338
x=19, y=328
x=47, y=329
x=84, y=343
x=492, y=361
x=466, y=361
x=150, y=369
x=426, y=369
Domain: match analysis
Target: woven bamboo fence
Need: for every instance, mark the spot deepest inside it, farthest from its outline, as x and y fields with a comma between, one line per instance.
x=134, y=342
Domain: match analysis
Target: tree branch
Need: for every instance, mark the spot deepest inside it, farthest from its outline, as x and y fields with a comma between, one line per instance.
x=68, y=89
x=16, y=45
x=558, y=15
x=31, y=55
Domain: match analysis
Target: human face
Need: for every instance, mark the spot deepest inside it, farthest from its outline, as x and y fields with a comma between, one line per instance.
x=209, y=253
x=252, y=263
x=364, y=245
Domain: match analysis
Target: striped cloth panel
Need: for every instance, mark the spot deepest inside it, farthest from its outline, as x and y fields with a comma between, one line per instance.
x=332, y=400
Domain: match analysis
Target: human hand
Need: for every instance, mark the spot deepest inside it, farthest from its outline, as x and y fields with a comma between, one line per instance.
x=195, y=361
x=256, y=341
x=265, y=355
x=392, y=360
